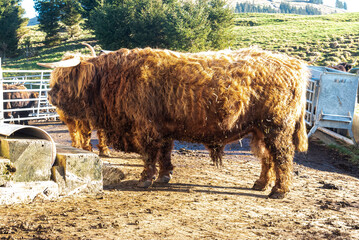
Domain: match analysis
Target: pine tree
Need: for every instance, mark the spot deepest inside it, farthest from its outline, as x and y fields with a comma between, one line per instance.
x=220, y=19
x=87, y=6
x=174, y=24
x=339, y=4
x=11, y=23
x=70, y=16
x=188, y=27
x=49, y=17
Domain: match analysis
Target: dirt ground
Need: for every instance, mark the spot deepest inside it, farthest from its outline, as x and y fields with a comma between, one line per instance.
x=201, y=201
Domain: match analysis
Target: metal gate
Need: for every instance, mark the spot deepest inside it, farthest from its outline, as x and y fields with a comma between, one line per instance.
x=331, y=99
x=35, y=82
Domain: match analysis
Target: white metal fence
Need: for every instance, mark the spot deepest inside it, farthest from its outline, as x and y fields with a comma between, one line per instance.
x=34, y=81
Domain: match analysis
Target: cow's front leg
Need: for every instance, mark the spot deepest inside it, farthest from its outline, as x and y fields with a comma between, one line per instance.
x=103, y=148
x=85, y=130
x=165, y=164
x=149, y=172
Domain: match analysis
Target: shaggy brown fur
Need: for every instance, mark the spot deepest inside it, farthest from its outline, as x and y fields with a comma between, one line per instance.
x=19, y=104
x=80, y=133
x=145, y=98
x=345, y=67
x=80, y=130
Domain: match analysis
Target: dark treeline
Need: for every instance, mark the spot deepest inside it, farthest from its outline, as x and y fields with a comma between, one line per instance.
x=173, y=24
x=11, y=25
x=340, y=4
x=247, y=7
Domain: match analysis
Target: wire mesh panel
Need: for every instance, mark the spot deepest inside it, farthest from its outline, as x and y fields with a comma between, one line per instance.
x=311, y=100
x=25, y=96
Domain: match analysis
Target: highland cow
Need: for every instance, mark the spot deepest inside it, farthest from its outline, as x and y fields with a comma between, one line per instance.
x=21, y=108
x=345, y=67
x=144, y=99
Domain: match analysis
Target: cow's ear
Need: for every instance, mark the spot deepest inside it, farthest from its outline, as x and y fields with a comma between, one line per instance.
x=84, y=76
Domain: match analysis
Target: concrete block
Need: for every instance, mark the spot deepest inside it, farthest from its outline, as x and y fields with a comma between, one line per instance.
x=31, y=157
x=27, y=192
x=76, y=170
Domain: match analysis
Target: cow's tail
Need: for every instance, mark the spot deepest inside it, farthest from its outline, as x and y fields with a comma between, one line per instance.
x=300, y=137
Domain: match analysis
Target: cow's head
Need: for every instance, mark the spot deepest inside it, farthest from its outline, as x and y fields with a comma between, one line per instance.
x=70, y=79
x=73, y=72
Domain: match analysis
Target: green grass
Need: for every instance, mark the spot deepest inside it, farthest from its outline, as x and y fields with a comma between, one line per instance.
x=334, y=38
x=38, y=52
x=350, y=151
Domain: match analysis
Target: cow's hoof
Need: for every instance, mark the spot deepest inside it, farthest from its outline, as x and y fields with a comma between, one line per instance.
x=277, y=195
x=145, y=184
x=105, y=153
x=164, y=179
x=259, y=186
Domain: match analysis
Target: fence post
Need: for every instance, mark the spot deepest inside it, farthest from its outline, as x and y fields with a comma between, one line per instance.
x=1, y=95
x=40, y=93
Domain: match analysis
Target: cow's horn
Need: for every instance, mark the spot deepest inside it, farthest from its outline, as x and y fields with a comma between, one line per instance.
x=66, y=63
x=93, y=53
x=355, y=61
x=105, y=52
x=314, y=60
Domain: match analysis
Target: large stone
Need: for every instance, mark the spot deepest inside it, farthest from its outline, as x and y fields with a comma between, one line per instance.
x=31, y=157
x=112, y=175
x=27, y=192
x=76, y=170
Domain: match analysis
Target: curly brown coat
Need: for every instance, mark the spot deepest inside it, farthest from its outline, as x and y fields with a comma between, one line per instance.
x=144, y=99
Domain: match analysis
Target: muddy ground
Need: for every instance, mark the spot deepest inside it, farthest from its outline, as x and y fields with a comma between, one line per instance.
x=201, y=202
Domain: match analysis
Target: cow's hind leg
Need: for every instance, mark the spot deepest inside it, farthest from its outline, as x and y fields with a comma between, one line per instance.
x=165, y=164
x=216, y=152
x=149, y=173
x=267, y=176
x=281, y=147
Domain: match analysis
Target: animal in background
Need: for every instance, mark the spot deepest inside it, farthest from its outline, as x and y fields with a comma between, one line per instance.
x=21, y=94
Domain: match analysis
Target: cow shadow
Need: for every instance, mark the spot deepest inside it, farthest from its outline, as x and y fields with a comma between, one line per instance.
x=317, y=157
x=131, y=186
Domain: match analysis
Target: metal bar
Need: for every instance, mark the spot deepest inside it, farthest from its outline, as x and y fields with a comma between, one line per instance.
x=31, y=118
x=23, y=90
x=336, y=135
x=20, y=100
x=26, y=71
x=1, y=95
x=39, y=103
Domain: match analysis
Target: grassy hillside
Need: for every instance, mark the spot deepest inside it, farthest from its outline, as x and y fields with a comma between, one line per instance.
x=334, y=38
x=38, y=52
